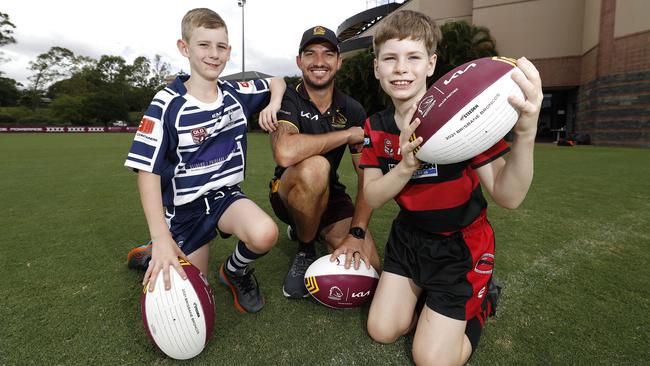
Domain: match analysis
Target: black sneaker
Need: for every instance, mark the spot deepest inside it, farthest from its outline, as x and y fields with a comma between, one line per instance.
x=291, y=233
x=494, y=291
x=294, y=283
x=245, y=289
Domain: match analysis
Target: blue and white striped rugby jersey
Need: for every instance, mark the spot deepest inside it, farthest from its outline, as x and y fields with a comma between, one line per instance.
x=196, y=147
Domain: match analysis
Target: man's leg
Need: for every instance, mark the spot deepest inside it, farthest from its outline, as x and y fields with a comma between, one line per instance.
x=304, y=191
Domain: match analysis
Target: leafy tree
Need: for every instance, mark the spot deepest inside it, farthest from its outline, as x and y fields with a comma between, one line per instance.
x=106, y=106
x=462, y=42
x=6, y=33
x=9, y=93
x=6, y=30
x=49, y=67
x=112, y=69
x=69, y=108
x=160, y=71
x=357, y=79
x=139, y=73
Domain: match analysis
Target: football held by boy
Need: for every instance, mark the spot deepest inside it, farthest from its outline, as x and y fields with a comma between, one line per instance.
x=441, y=233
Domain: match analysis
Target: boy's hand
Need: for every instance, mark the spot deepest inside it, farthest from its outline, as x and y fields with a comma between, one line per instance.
x=164, y=253
x=268, y=117
x=409, y=160
x=530, y=83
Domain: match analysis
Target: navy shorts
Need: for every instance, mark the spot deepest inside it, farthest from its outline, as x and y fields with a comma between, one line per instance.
x=453, y=271
x=195, y=224
x=339, y=206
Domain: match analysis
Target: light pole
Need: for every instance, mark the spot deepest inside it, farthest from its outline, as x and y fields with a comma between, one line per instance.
x=241, y=3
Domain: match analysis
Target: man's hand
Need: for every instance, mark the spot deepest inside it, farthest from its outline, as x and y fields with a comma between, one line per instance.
x=268, y=119
x=353, y=250
x=356, y=135
x=164, y=253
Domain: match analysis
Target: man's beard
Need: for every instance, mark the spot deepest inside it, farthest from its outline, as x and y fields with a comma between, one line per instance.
x=315, y=86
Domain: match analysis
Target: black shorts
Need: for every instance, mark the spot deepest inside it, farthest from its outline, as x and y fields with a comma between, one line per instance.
x=339, y=206
x=453, y=271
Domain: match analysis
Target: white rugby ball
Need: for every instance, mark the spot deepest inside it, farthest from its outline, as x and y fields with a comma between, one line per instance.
x=466, y=111
x=334, y=286
x=179, y=321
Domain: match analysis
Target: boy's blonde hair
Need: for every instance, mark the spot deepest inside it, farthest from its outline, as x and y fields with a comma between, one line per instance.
x=200, y=17
x=408, y=24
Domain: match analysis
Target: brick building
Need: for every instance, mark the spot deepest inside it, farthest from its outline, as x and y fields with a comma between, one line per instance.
x=593, y=56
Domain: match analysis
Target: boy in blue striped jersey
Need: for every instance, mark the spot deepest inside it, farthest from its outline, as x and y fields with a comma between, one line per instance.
x=190, y=152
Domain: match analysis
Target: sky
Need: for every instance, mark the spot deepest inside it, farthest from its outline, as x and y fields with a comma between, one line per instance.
x=273, y=29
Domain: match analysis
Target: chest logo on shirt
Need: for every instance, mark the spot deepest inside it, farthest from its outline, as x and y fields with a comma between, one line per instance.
x=388, y=147
x=339, y=121
x=426, y=170
x=146, y=126
x=198, y=135
x=308, y=116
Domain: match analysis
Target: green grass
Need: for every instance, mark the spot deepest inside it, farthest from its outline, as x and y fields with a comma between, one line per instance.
x=574, y=259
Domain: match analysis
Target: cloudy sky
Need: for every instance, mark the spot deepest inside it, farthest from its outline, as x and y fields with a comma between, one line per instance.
x=145, y=27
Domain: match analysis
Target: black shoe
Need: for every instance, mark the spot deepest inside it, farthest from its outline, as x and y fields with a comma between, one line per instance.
x=245, y=289
x=294, y=283
x=494, y=291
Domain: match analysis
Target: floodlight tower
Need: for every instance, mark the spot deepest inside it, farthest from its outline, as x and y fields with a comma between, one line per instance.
x=241, y=4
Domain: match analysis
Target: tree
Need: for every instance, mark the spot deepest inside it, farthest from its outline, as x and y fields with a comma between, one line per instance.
x=9, y=93
x=160, y=71
x=112, y=69
x=106, y=106
x=49, y=67
x=6, y=31
x=139, y=73
x=357, y=79
x=462, y=42
x=69, y=108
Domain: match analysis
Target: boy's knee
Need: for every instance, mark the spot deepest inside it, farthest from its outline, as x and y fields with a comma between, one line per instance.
x=264, y=236
x=432, y=355
x=381, y=331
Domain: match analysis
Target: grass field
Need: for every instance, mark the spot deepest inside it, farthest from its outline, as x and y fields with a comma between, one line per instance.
x=574, y=259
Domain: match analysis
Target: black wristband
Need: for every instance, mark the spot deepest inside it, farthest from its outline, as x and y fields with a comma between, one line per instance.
x=358, y=232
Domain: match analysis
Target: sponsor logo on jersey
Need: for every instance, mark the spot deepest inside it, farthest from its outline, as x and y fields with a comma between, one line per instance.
x=339, y=121
x=485, y=264
x=425, y=170
x=198, y=135
x=146, y=126
x=308, y=116
x=388, y=147
x=481, y=292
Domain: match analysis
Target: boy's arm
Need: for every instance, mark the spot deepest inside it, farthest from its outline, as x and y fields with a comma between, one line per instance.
x=267, y=119
x=165, y=251
x=378, y=188
x=508, y=181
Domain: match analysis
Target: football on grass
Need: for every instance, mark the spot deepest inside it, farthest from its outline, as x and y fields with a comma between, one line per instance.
x=334, y=286
x=179, y=321
x=466, y=111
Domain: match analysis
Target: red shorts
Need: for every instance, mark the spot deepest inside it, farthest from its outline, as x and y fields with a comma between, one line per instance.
x=339, y=206
x=453, y=271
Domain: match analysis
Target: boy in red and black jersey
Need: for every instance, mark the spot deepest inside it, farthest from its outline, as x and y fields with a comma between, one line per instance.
x=441, y=246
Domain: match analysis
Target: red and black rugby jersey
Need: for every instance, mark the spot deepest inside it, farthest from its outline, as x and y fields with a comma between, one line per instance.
x=345, y=112
x=438, y=198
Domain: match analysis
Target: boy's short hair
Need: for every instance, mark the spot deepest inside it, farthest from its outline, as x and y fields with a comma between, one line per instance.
x=200, y=17
x=408, y=24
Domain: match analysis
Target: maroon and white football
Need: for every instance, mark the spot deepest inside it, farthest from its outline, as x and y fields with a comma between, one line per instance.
x=179, y=321
x=334, y=286
x=466, y=111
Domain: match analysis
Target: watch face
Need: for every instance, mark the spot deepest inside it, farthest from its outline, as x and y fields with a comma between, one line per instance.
x=357, y=232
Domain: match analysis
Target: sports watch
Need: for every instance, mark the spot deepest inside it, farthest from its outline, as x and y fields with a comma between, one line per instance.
x=358, y=232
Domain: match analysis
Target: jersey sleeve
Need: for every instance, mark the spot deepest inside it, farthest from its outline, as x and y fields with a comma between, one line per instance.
x=288, y=112
x=368, y=153
x=357, y=118
x=499, y=149
x=151, y=140
x=254, y=94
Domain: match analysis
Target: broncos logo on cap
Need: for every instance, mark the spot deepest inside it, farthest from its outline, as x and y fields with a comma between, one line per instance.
x=319, y=31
